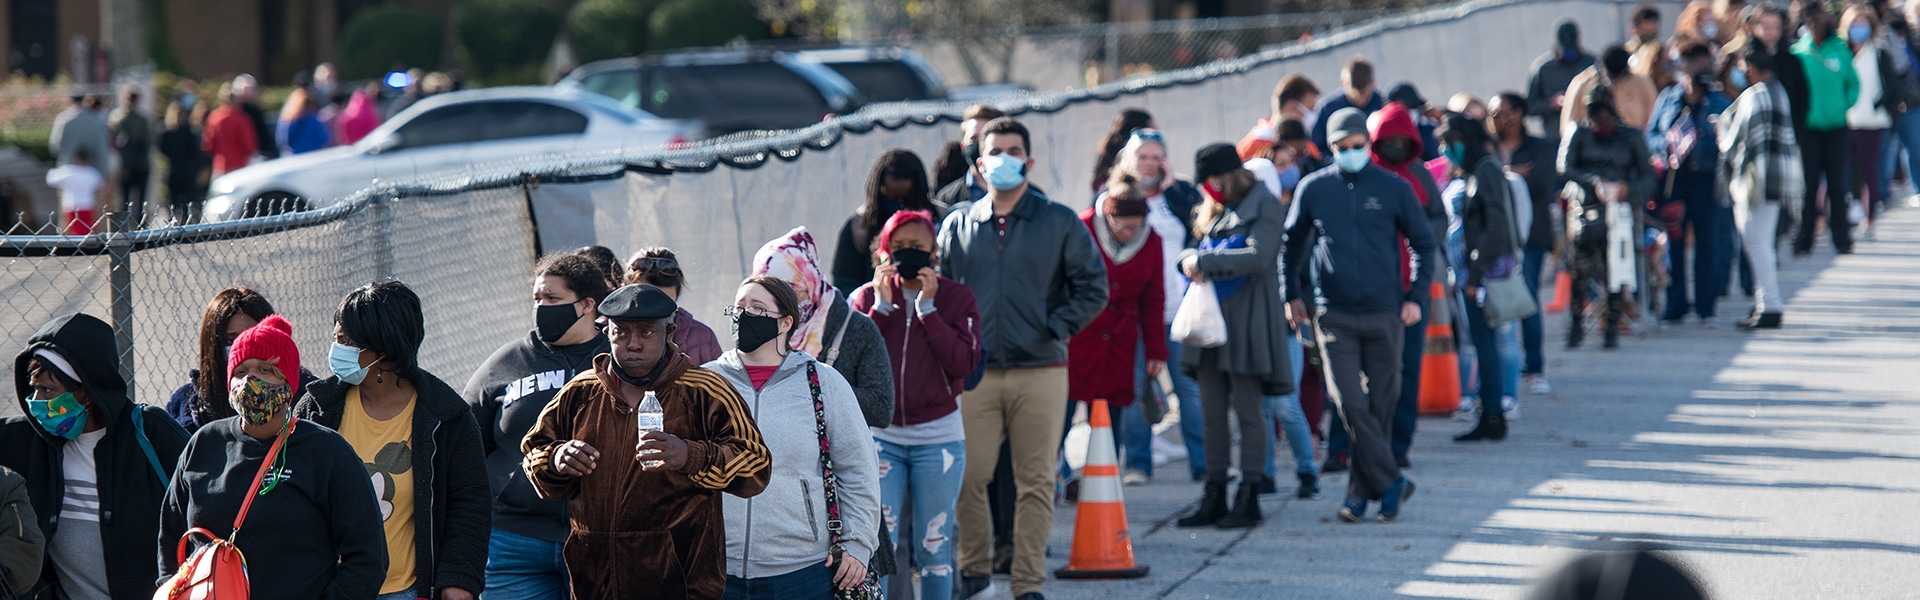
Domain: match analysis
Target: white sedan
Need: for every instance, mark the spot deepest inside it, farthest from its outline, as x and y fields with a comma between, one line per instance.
x=441, y=133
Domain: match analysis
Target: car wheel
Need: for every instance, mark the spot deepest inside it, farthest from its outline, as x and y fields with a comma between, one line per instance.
x=274, y=203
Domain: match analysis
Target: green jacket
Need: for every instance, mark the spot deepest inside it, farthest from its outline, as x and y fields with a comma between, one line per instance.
x=1832, y=86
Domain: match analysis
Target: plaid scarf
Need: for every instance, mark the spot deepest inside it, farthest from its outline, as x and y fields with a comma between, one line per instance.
x=1759, y=158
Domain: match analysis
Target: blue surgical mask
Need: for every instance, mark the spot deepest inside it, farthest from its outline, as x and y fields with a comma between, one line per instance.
x=1859, y=33
x=345, y=362
x=1352, y=161
x=1003, y=172
x=1738, y=78
x=62, y=415
x=1456, y=153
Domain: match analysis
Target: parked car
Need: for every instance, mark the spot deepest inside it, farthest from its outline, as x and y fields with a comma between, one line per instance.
x=727, y=91
x=882, y=73
x=441, y=133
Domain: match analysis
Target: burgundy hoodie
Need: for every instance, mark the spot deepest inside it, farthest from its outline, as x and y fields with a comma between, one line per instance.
x=931, y=356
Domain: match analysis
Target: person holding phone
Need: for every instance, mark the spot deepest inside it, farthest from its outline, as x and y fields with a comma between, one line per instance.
x=932, y=329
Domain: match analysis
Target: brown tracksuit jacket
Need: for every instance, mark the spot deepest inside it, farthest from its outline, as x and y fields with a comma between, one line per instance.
x=636, y=534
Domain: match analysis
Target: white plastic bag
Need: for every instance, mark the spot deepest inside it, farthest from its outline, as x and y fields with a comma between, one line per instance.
x=1199, y=323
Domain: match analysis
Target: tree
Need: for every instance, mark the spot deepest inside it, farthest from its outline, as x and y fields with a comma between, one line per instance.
x=691, y=23
x=378, y=37
x=985, y=32
x=602, y=29
x=502, y=36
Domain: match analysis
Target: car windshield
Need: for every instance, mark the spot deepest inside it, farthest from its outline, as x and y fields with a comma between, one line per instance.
x=883, y=80
x=684, y=92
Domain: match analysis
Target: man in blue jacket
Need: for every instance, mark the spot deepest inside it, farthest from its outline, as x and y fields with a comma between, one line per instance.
x=1343, y=250
x=1357, y=91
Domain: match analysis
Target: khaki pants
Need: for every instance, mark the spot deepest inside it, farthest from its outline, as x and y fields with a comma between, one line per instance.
x=1026, y=407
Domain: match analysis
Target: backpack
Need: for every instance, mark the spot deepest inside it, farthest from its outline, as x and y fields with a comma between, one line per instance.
x=217, y=570
x=22, y=545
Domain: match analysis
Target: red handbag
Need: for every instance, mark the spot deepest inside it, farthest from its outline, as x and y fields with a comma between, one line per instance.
x=217, y=570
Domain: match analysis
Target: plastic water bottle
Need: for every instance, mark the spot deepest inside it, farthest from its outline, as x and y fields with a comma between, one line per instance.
x=650, y=418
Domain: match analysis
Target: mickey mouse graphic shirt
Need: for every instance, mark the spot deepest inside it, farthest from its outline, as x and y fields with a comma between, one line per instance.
x=386, y=449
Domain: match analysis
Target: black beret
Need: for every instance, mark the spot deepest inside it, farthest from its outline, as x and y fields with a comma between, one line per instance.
x=637, y=302
x=1215, y=159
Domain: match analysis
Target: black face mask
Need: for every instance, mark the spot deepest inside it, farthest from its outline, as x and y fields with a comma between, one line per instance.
x=971, y=151
x=641, y=381
x=750, y=332
x=910, y=261
x=552, y=321
x=1395, y=153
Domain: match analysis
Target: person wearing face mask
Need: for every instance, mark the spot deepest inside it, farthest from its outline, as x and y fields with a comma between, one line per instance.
x=1832, y=88
x=1868, y=119
x=629, y=520
x=1396, y=147
x=1294, y=98
x=1604, y=162
x=1343, y=252
x=1552, y=73
x=1480, y=196
x=232, y=311
x=1634, y=94
x=1761, y=162
x=313, y=530
x=898, y=182
x=1170, y=203
x=506, y=395
x=807, y=535
x=932, y=327
x=1029, y=307
x=81, y=443
x=956, y=196
x=419, y=441
x=829, y=329
x=1682, y=138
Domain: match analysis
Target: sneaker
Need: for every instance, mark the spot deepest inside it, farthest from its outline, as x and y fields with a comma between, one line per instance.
x=1400, y=459
x=972, y=588
x=1511, y=406
x=1354, y=510
x=1469, y=409
x=1710, y=323
x=1914, y=200
x=1136, y=478
x=1309, y=487
x=1537, y=384
x=1401, y=491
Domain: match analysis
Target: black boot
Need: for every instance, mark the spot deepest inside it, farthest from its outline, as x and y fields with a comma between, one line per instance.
x=1577, y=330
x=1761, y=321
x=1493, y=426
x=1610, y=337
x=1213, y=506
x=1246, y=506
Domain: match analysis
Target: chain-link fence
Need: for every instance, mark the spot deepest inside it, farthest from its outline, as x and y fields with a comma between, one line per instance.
x=467, y=242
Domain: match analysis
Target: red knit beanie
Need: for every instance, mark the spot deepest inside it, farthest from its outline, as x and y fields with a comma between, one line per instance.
x=271, y=341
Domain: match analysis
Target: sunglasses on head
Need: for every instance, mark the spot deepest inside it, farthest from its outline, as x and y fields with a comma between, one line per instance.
x=1147, y=135
x=657, y=264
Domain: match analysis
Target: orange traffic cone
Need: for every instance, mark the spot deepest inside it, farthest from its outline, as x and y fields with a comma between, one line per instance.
x=1562, y=292
x=1101, y=546
x=1440, y=363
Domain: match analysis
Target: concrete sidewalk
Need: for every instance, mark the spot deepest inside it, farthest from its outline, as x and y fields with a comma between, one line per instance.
x=1778, y=465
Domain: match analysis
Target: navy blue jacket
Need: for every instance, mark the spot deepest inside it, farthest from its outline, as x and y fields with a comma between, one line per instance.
x=1334, y=104
x=1356, y=218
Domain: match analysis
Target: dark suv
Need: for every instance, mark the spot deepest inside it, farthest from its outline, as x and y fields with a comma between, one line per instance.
x=727, y=91
x=883, y=73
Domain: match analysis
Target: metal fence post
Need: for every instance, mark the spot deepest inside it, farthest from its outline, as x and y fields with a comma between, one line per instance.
x=381, y=211
x=120, y=284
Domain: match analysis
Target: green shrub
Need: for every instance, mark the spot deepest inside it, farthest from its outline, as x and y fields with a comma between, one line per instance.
x=379, y=36
x=497, y=36
x=602, y=29
x=687, y=23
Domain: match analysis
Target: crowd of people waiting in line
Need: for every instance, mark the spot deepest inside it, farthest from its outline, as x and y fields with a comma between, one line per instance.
x=932, y=369
x=201, y=140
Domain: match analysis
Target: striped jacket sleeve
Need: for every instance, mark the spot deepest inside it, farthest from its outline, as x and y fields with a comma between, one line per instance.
x=733, y=458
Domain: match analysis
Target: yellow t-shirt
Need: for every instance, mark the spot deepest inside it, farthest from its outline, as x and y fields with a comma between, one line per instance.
x=387, y=449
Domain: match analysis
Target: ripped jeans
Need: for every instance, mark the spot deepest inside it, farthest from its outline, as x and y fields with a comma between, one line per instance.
x=931, y=473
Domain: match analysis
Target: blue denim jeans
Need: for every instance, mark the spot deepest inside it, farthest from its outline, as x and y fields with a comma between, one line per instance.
x=400, y=595
x=930, y=475
x=1701, y=197
x=1904, y=135
x=1530, y=333
x=1507, y=338
x=1191, y=431
x=1131, y=429
x=811, y=582
x=523, y=567
x=1286, y=411
x=1406, y=412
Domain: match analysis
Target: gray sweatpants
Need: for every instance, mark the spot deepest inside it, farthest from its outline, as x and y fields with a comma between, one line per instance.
x=1354, y=344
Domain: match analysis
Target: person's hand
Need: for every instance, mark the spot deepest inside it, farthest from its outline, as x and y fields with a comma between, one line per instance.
x=575, y=459
x=1154, y=367
x=1472, y=292
x=850, y=571
x=672, y=451
x=1409, y=313
x=1559, y=101
x=1297, y=312
x=454, y=593
x=929, y=284
x=1523, y=170
x=883, y=281
x=1191, y=267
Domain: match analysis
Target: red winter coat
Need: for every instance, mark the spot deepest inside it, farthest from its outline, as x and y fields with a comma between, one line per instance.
x=1101, y=359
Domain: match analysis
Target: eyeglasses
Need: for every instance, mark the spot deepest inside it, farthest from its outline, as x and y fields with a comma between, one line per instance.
x=734, y=312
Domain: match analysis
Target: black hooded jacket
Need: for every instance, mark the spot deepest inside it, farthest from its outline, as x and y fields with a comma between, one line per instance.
x=130, y=491
x=453, y=516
